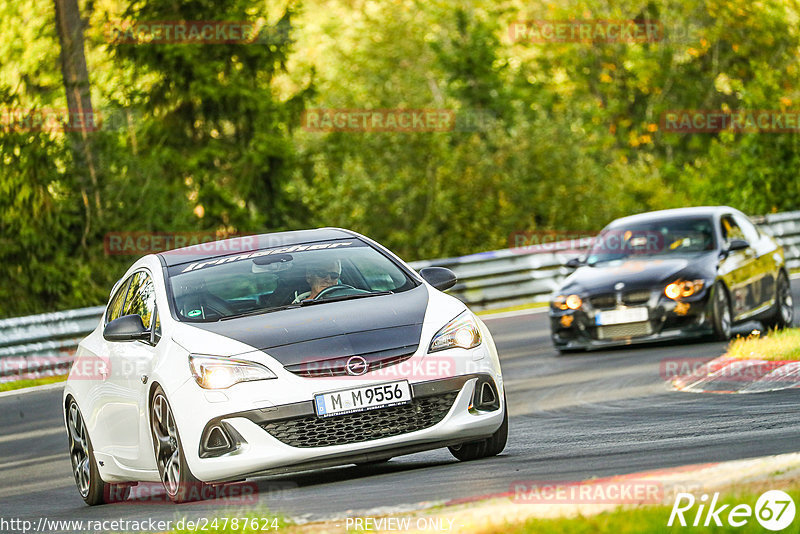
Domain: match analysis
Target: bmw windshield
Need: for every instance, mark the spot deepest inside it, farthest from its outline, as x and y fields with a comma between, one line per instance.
x=669, y=237
x=274, y=279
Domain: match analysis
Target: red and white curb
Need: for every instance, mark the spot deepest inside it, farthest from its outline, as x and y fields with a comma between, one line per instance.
x=732, y=375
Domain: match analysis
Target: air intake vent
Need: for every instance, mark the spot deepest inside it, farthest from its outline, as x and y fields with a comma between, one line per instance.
x=217, y=439
x=313, y=431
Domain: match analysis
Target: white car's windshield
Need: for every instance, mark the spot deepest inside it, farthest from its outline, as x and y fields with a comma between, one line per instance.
x=278, y=278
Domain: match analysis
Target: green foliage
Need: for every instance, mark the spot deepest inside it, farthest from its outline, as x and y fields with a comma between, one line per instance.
x=562, y=136
x=214, y=116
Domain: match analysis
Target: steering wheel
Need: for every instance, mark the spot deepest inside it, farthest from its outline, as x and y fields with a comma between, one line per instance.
x=332, y=289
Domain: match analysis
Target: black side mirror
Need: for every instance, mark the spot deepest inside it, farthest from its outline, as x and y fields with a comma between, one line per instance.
x=439, y=277
x=737, y=244
x=126, y=328
x=574, y=263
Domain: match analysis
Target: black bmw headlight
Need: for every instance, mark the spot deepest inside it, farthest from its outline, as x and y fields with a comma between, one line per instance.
x=683, y=288
x=567, y=302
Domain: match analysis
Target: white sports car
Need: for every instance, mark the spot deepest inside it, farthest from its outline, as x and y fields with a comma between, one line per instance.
x=274, y=353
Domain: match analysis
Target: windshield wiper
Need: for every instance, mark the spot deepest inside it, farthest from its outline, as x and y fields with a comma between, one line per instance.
x=311, y=302
x=259, y=311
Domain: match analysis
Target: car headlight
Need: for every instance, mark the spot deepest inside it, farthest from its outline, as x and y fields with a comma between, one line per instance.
x=461, y=332
x=567, y=302
x=683, y=288
x=214, y=372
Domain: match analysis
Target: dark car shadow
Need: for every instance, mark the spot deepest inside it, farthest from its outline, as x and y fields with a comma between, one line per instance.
x=344, y=473
x=349, y=473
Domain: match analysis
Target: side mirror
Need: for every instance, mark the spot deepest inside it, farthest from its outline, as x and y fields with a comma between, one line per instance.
x=737, y=244
x=439, y=277
x=126, y=328
x=574, y=263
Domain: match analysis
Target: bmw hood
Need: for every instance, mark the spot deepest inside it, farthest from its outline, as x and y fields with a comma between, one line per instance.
x=383, y=324
x=635, y=273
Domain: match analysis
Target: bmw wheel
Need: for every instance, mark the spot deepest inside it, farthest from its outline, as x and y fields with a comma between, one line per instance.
x=721, y=306
x=84, y=466
x=179, y=483
x=783, y=313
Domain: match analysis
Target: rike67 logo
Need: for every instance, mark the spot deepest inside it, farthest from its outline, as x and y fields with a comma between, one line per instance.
x=774, y=510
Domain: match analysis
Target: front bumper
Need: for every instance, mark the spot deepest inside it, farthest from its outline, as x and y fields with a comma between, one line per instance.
x=290, y=437
x=667, y=320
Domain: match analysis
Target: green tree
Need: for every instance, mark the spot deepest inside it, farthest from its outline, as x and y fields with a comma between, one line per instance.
x=213, y=120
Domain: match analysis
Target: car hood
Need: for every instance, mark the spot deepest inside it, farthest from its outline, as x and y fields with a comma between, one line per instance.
x=372, y=325
x=636, y=273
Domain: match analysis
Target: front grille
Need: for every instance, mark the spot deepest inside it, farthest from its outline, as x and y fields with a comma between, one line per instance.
x=617, y=331
x=609, y=300
x=604, y=301
x=338, y=366
x=313, y=431
x=636, y=297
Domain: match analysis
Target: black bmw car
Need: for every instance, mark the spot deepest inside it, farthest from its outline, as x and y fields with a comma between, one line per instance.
x=669, y=274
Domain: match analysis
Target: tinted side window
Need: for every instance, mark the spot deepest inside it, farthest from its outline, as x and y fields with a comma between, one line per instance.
x=115, y=304
x=731, y=230
x=750, y=231
x=141, y=299
x=156, y=328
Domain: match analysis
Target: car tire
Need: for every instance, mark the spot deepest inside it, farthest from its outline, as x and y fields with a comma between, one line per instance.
x=179, y=482
x=484, y=448
x=783, y=312
x=91, y=486
x=721, y=312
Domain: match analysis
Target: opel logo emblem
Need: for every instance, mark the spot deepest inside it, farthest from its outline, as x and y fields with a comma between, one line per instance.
x=356, y=366
x=619, y=285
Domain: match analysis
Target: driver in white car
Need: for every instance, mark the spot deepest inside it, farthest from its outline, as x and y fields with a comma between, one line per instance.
x=320, y=276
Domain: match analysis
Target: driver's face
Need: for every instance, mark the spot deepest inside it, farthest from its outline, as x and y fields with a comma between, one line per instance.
x=323, y=276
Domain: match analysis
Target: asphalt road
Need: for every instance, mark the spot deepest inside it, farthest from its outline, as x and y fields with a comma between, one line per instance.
x=572, y=417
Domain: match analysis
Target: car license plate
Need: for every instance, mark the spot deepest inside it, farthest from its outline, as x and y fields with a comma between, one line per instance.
x=361, y=399
x=627, y=315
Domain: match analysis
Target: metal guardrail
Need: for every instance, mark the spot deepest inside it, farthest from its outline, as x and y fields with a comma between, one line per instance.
x=37, y=344
x=499, y=278
x=785, y=227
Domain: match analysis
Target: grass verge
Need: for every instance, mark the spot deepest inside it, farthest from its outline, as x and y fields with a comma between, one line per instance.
x=518, y=307
x=650, y=519
x=20, y=384
x=776, y=345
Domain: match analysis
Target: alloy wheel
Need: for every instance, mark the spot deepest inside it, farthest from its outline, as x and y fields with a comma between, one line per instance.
x=723, y=311
x=785, y=302
x=78, y=449
x=165, y=437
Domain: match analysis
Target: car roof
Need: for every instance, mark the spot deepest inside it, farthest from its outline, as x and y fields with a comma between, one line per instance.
x=699, y=211
x=244, y=244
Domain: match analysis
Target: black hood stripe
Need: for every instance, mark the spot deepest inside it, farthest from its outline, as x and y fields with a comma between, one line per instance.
x=332, y=330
